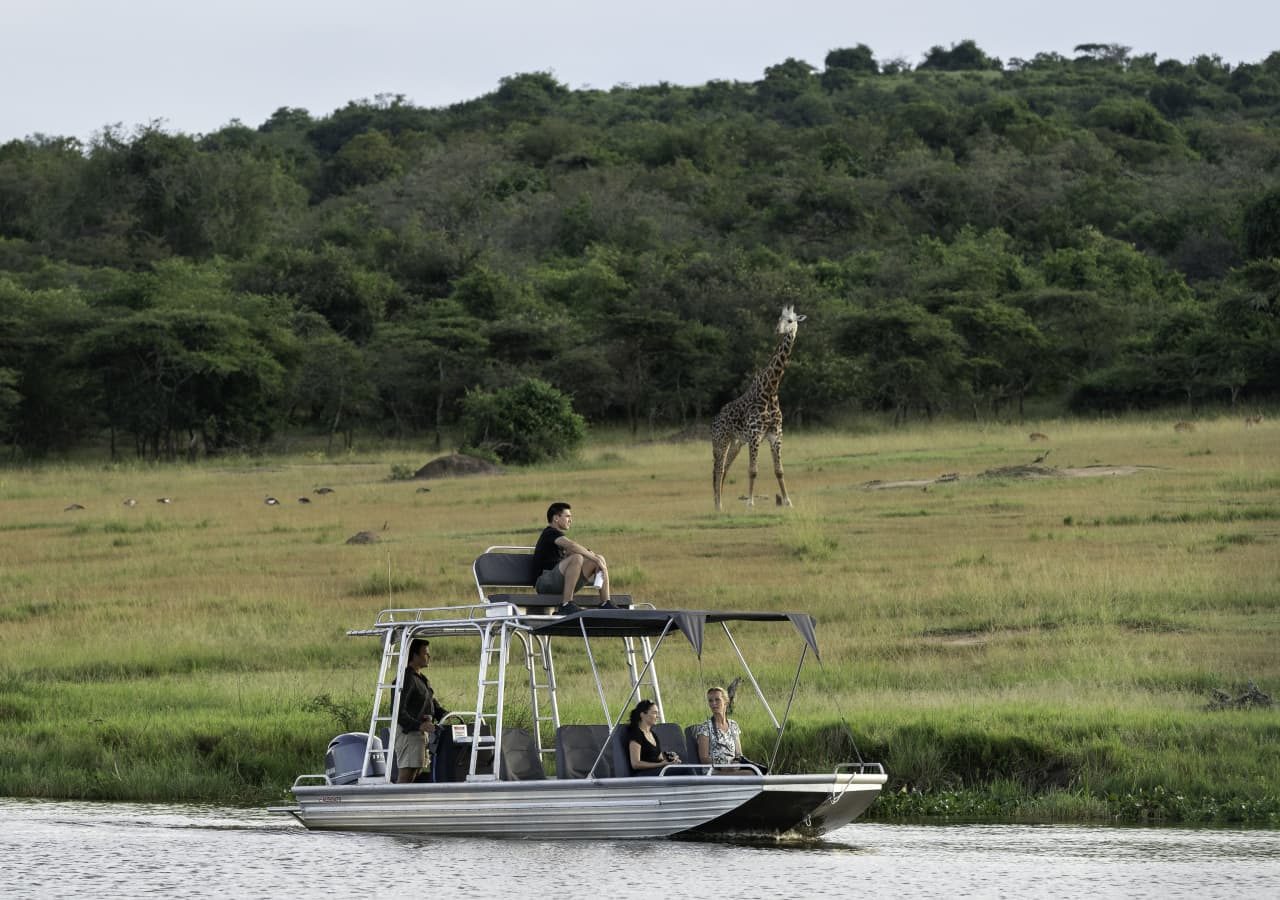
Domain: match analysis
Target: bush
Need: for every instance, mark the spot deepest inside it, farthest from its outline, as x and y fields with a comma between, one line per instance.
x=527, y=423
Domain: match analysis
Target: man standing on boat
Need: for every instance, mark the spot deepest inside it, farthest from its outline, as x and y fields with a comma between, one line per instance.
x=566, y=565
x=418, y=715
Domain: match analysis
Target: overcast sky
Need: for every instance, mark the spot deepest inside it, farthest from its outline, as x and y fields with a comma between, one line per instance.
x=69, y=67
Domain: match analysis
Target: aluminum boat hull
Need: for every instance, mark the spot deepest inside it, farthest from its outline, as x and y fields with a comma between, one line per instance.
x=621, y=808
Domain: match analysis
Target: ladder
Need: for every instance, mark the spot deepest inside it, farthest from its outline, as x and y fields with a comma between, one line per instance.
x=392, y=649
x=494, y=651
x=542, y=695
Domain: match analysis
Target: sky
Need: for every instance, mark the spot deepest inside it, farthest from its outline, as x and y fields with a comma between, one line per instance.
x=71, y=67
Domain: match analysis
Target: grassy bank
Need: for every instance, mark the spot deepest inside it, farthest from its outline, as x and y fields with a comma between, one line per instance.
x=1031, y=648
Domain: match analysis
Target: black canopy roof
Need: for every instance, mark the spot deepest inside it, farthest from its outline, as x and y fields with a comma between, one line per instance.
x=653, y=622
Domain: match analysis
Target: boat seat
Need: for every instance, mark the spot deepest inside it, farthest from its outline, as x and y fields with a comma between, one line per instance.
x=506, y=575
x=577, y=747
x=670, y=737
x=520, y=758
x=691, y=743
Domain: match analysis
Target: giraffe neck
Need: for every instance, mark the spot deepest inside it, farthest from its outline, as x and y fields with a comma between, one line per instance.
x=770, y=376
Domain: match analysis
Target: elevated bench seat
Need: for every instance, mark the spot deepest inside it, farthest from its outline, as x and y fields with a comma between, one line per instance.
x=505, y=575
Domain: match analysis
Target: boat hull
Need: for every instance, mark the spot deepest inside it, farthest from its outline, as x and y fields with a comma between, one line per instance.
x=812, y=804
x=622, y=808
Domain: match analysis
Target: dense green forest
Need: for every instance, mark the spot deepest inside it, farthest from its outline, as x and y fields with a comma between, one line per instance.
x=1093, y=233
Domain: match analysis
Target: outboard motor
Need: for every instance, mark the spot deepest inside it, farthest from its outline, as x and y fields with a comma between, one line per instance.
x=344, y=759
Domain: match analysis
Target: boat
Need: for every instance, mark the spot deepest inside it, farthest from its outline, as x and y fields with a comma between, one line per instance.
x=490, y=768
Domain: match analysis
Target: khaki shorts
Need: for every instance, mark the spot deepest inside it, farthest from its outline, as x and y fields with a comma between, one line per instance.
x=411, y=749
x=552, y=582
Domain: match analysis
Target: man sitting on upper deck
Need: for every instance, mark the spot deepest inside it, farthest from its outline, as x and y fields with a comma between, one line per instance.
x=566, y=565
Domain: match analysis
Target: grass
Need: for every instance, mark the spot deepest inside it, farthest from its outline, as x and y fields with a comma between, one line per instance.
x=1026, y=649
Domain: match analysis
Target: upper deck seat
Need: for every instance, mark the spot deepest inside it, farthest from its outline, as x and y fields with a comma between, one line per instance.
x=506, y=575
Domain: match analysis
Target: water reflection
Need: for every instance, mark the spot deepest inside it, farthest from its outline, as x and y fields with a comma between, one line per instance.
x=51, y=849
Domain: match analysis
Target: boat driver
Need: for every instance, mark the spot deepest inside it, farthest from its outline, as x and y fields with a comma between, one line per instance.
x=418, y=715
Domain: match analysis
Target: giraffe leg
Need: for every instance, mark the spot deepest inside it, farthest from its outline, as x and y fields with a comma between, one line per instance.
x=775, y=444
x=753, y=450
x=724, y=459
x=718, y=450
x=717, y=473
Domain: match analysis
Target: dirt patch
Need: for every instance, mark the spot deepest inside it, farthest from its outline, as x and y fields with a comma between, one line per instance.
x=456, y=465
x=1027, y=471
x=1097, y=471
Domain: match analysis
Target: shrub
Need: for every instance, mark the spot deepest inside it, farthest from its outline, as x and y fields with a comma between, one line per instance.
x=527, y=423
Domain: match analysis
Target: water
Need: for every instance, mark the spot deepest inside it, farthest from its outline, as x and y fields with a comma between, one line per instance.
x=110, y=850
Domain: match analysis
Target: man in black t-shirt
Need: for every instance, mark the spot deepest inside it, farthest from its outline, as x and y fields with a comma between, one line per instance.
x=565, y=565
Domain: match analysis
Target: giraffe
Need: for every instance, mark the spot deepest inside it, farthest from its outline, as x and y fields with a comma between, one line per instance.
x=755, y=416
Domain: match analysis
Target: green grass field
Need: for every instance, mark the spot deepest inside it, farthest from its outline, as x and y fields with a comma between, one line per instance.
x=1029, y=649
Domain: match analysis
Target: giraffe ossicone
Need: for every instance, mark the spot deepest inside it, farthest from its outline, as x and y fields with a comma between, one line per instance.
x=755, y=416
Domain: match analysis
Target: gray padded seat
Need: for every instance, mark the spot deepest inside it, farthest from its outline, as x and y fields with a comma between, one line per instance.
x=520, y=758
x=671, y=737
x=691, y=742
x=576, y=749
x=498, y=572
x=618, y=753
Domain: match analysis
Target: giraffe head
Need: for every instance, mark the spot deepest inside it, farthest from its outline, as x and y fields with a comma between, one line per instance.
x=788, y=321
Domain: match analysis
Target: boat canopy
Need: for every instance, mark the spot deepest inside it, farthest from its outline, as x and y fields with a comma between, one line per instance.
x=656, y=622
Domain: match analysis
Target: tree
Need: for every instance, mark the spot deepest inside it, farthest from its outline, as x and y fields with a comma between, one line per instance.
x=666, y=364
x=1005, y=352
x=329, y=281
x=852, y=59
x=964, y=56
x=524, y=424
x=527, y=95
x=910, y=357
x=1246, y=330
x=187, y=366
x=367, y=158
x=1113, y=54
x=332, y=387
x=423, y=363
x=51, y=403
x=1262, y=226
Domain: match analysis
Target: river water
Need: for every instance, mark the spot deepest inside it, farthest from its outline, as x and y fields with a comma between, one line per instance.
x=111, y=850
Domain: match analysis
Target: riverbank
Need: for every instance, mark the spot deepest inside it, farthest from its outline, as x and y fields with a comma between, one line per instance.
x=1028, y=648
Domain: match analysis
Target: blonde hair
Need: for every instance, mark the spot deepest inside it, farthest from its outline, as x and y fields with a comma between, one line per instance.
x=716, y=687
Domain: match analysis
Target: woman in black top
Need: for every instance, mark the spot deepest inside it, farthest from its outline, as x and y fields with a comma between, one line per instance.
x=643, y=750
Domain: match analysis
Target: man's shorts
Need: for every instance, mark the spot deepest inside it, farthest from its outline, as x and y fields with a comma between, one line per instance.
x=552, y=582
x=411, y=749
